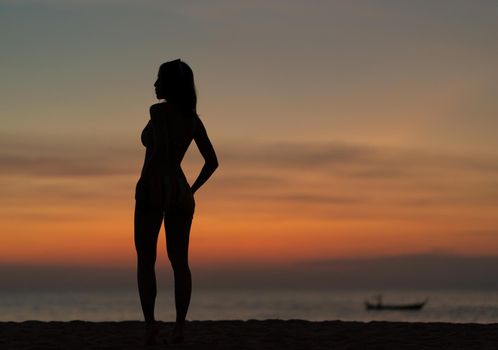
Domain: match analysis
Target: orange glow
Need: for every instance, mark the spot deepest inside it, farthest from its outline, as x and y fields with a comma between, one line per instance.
x=86, y=231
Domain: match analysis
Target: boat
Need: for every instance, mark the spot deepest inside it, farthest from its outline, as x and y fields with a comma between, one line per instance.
x=379, y=305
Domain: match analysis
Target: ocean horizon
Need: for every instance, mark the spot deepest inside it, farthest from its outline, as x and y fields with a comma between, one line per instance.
x=456, y=306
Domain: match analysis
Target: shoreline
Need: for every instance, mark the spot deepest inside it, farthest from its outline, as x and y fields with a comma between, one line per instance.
x=252, y=334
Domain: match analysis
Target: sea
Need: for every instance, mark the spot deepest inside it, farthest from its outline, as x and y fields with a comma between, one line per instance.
x=457, y=306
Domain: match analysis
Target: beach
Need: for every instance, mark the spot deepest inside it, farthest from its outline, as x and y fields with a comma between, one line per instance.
x=251, y=334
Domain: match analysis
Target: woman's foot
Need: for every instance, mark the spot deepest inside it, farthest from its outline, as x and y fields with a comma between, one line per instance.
x=151, y=334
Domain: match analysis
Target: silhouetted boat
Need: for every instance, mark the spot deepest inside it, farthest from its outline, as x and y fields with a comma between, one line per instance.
x=380, y=306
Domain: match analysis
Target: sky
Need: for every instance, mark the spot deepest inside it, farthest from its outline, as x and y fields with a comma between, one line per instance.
x=344, y=129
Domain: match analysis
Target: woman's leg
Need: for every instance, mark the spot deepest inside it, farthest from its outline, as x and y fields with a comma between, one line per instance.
x=147, y=227
x=177, y=239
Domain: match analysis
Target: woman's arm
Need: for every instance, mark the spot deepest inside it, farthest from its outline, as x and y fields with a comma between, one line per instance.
x=207, y=151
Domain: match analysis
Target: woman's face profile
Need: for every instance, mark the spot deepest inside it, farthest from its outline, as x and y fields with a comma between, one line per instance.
x=159, y=88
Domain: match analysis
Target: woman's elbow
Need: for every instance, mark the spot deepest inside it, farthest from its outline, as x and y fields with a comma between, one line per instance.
x=212, y=164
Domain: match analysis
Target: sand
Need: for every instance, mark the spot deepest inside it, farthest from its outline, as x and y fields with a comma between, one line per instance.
x=252, y=334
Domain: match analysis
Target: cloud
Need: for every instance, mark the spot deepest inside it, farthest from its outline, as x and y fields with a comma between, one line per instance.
x=308, y=173
x=346, y=173
x=311, y=173
x=306, y=198
x=478, y=233
x=419, y=271
x=60, y=166
x=255, y=180
x=433, y=270
x=358, y=160
x=296, y=154
x=42, y=156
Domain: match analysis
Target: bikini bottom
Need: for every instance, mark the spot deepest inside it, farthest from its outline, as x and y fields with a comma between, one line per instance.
x=170, y=194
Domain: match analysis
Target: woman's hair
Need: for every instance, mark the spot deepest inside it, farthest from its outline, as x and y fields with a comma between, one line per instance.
x=177, y=81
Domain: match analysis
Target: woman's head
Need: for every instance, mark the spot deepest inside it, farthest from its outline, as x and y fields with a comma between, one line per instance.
x=175, y=84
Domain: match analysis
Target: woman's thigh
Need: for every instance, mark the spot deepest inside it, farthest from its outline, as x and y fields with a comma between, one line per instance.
x=177, y=236
x=147, y=227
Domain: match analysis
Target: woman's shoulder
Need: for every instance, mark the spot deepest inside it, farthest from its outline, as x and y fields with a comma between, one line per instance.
x=165, y=107
x=164, y=110
x=159, y=108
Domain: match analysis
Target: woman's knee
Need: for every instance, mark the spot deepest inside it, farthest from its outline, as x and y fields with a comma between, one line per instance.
x=178, y=263
x=146, y=259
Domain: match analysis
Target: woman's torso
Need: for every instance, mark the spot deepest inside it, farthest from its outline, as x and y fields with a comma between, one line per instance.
x=166, y=137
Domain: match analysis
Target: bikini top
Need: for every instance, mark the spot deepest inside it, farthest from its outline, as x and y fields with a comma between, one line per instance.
x=172, y=160
x=146, y=137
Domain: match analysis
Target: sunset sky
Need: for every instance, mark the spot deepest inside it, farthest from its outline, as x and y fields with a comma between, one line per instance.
x=344, y=129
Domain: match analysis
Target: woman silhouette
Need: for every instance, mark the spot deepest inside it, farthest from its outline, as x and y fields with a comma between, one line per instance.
x=162, y=192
